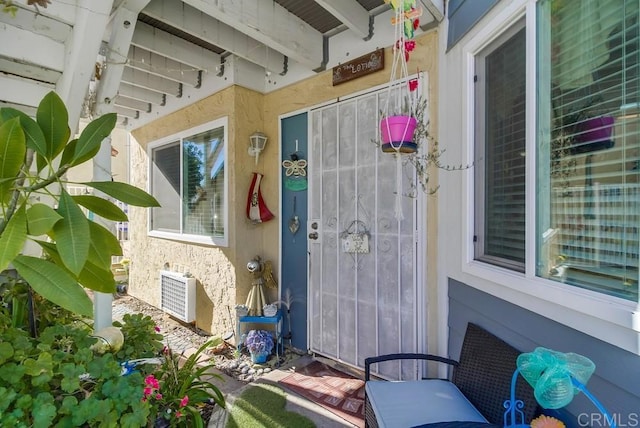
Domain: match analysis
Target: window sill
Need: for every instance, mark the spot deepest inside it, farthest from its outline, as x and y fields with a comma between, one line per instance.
x=190, y=239
x=610, y=319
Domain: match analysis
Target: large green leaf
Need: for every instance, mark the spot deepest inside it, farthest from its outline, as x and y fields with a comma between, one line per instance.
x=41, y=218
x=54, y=284
x=91, y=276
x=101, y=207
x=68, y=153
x=33, y=134
x=12, y=152
x=13, y=238
x=108, y=243
x=92, y=136
x=125, y=192
x=72, y=234
x=98, y=279
x=53, y=119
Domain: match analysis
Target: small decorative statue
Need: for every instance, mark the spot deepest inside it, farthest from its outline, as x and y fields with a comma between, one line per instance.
x=261, y=272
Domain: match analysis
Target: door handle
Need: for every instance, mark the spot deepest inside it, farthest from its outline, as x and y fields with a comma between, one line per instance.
x=313, y=235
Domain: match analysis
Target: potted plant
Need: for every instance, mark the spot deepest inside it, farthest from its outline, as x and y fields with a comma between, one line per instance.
x=260, y=344
x=397, y=128
x=36, y=155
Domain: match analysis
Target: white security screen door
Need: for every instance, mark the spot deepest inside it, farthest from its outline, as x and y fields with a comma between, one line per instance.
x=360, y=304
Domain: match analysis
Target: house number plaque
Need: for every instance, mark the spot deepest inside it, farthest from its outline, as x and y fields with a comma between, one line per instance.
x=358, y=67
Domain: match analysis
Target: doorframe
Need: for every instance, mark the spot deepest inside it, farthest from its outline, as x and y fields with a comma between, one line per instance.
x=420, y=231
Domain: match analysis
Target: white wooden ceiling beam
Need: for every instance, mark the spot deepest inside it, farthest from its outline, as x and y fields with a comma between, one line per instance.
x=62, y=11
x=30, y=71
x=142, y=94
x=350, y=13
x=271, y=24
x=126, y=112
x=22, y=91
x=131, y=103
x=203, y=26
x=148, y=81
x=81, y=53
x=41, y=50
x=152, y=63
x=123, y=22
x=28, y=19
x=165, y=44
x=28, y=110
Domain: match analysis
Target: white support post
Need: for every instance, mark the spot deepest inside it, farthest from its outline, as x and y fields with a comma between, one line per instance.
x=123, y=23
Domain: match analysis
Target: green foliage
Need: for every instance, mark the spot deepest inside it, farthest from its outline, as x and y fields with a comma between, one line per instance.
x=79, y=250
x=141, y=340
x=177, y=390
x=263, y=405
x=57, y=380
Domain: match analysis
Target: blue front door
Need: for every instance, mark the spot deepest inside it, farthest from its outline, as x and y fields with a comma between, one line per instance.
x=294, y=229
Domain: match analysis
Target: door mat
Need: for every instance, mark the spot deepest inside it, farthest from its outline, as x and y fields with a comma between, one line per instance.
x=332, y=389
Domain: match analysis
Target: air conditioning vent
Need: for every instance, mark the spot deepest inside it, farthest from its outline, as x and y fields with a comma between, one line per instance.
x=178, y=295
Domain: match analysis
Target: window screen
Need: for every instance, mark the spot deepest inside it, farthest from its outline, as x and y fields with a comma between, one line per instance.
x=500, y=151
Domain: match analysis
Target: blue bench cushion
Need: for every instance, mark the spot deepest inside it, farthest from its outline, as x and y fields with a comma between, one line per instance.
x=411, y=403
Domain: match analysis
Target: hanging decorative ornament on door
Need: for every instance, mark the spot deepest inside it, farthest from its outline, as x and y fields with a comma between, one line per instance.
x=295, y=172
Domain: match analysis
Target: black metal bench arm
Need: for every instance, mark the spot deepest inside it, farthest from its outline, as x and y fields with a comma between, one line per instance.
x=407, y=356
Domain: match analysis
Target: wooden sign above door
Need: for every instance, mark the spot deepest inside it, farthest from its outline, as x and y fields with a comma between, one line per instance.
x=361, y=66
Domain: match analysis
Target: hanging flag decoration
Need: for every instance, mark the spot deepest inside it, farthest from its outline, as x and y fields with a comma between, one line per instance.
x=257, y=210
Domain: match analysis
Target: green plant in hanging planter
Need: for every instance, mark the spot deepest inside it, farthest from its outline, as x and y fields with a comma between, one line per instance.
x=36, y=155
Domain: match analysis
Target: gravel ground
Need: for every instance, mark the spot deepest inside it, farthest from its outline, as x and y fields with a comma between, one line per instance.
x=185, y=338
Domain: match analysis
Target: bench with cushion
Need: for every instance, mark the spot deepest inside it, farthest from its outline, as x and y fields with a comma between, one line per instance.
x=480, y=383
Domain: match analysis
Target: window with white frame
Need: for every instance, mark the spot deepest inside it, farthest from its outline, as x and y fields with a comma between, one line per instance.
x=499, y=236
x=188, y=178
x=588, y=160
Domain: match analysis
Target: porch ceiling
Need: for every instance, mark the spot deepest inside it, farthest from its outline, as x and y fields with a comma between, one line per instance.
x=146, y=58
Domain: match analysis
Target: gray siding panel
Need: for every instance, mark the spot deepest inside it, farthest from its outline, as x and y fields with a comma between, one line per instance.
x=463, y=15
x=616, y=381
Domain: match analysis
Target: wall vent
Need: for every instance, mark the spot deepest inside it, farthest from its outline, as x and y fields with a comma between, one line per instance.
x=178, y=295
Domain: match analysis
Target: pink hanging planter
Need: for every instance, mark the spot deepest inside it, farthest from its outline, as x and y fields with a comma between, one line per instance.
x=397, y=134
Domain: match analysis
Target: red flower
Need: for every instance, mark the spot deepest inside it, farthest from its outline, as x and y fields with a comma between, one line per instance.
x=156, y=328
x=184, y=401
x=416, y=23
x=409, y=45
x=413, y=84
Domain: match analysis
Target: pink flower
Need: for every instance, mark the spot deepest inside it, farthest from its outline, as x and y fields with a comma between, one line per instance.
x=151, y=381
x=178, y=414
x=184, y=401
x=156, y=328
x=158, y=396
x=148, y=391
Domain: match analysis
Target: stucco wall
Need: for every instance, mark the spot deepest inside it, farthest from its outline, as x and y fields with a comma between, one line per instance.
x=221, y=272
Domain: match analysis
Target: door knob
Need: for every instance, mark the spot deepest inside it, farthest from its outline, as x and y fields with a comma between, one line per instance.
x=313, y=235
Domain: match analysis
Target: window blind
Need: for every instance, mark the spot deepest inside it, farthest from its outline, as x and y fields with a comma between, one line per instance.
x=594, y=150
